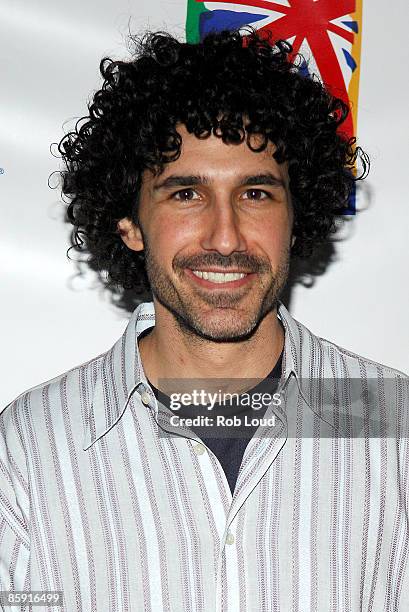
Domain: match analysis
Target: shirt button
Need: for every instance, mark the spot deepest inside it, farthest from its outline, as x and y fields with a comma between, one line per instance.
x=230, y=538
x=146, y=398
x=199, y=449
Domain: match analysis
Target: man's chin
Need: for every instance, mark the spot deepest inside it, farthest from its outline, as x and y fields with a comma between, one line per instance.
x=225, y=325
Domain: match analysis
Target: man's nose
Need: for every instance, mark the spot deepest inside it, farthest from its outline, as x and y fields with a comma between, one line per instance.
x=222, y=229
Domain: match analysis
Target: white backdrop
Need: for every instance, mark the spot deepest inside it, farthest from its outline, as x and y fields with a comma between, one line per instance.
x=51, y=322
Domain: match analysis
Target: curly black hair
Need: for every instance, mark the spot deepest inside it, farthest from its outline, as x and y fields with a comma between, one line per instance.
x=229, y=84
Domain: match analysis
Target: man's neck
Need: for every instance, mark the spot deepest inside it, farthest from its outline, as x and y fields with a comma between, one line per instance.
x=167, y=352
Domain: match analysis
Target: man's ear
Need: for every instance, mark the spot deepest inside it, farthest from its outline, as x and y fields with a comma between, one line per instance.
x=130, y=234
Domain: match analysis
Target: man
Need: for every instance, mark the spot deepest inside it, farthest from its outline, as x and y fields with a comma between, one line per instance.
x=201, y=170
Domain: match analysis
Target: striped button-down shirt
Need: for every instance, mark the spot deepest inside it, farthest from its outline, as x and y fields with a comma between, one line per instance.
x=98, y=501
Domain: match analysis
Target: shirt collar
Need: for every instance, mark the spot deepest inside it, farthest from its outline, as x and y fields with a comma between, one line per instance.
x=120, y=370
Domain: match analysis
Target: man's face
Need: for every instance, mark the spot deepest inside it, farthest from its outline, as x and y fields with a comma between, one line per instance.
x=218, y=208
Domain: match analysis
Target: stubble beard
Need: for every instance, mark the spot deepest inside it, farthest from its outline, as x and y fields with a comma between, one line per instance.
x=231, y=322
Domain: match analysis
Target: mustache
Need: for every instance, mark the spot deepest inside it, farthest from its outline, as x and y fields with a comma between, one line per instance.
x=243, y=261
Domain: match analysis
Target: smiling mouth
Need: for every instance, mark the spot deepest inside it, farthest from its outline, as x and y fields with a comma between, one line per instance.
x=216, y=278
x=219, y=277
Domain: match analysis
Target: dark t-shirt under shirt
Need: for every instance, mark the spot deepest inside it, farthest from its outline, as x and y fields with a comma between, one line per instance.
x=226, y=443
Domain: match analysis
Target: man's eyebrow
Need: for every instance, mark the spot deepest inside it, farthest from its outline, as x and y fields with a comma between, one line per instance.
x=265, y=178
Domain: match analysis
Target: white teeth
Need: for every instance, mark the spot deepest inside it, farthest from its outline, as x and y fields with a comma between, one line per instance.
x=219, y=277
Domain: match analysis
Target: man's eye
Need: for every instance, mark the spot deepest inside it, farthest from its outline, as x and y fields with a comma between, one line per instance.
x=184, y=194
x=256, y=194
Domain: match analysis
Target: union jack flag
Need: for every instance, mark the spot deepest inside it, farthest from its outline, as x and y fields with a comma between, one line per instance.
x=327, y=33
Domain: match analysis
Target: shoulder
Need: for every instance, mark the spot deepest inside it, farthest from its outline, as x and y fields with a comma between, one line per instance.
x=343, y=379
x=75, y=383
x=369, y=389
x=351, y=386
x=350, y=360
x=315, y=356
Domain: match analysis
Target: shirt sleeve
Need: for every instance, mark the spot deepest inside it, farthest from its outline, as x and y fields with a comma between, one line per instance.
x=403, y=441
x=14, y=506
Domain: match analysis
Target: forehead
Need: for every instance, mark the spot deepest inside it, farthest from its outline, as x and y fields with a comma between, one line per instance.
x=218, y=160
